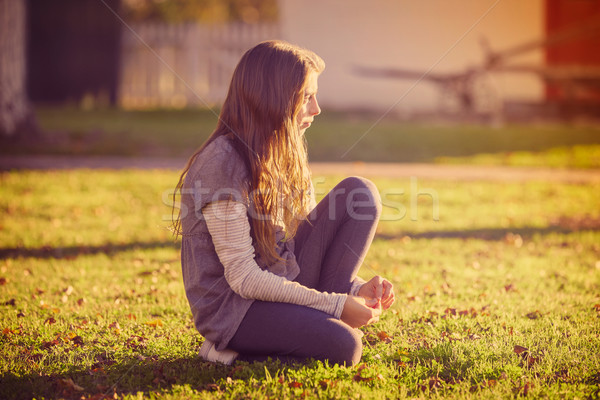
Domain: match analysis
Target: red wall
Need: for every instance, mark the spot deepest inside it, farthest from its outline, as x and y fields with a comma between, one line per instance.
x=583, y=50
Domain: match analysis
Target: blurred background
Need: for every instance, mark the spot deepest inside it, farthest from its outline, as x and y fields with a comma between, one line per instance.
x=468, y=81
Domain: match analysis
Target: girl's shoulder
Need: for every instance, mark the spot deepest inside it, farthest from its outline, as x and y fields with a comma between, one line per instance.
x=221, y=146
x=220, y=153
x=219, y=162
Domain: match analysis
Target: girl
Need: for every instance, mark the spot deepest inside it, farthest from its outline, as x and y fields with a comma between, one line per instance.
x=267, y=272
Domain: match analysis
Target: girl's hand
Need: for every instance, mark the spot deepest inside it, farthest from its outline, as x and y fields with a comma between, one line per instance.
x=380, y=289
x=359, y=311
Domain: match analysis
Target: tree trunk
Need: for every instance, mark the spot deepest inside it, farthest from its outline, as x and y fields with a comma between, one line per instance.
x=15, y=111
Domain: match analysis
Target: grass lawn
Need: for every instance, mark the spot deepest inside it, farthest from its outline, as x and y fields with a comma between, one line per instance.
x=497, y=284
x=333, y=137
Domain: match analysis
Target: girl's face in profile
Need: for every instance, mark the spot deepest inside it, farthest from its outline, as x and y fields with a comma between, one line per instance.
x=310, y=106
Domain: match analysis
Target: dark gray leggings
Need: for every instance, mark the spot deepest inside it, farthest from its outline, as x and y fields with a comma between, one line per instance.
x=329, y=249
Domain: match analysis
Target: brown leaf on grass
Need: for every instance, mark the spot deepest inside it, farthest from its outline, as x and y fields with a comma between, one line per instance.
x=384, y=337
x=526, y=356
x=154, y=323
x=510, y=288
x=490, y=383
x=520, y=349
x=295, y=384
x=11, y=302
x=211, y=387
x=434, y=383
x=70, y=385
x=77, y=340
x=508, y=329
x=3, y=281
x=359, y=375
x=98, y=371
x=597, y=307
x=49, y=321
x=135, y=342
x=450, y=311
x=359, y=378
x=446, y=288
x=50, y=343
x=325, y=383
x=371, y=338
x=80, y=302
x=534, y=314
x=523, y=390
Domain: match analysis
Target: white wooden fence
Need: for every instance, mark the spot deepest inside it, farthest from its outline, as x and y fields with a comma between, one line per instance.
x=183, y=65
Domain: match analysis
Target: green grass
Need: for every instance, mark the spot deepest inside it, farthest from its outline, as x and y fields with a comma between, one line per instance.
x=333, y=137
x=578, y=156
x=92, y=301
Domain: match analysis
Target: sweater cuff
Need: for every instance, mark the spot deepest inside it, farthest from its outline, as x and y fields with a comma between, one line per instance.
x=356, y=285
x=340, y=301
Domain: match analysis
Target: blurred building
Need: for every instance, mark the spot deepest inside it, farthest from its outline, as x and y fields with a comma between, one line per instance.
x=408, y=58
x=436, y=55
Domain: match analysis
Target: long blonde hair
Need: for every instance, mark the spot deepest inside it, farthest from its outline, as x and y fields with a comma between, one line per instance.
x=265, y=95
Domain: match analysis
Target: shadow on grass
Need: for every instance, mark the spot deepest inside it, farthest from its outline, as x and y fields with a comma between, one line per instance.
x=491, y=234
x=135, y=375
x=71, y=252
x=563, y=226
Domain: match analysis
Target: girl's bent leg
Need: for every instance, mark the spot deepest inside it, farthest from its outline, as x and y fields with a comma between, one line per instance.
x=331, y=245
x=292, y=332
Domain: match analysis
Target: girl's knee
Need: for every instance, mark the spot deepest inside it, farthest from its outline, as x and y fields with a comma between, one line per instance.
x=362, y=196
x=347, y=348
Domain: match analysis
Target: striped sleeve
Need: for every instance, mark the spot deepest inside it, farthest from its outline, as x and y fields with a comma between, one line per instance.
x=229, y=228
x=356, y=285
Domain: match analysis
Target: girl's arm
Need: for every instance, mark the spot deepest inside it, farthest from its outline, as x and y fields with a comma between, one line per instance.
x=228, y=225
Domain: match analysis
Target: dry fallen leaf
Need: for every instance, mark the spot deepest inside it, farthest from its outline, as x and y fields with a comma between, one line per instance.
x=450, y=311
x=520, y=349
x=534, y=314
x=11, y=302
x=77, y=340
x=526, y=356
x=69, y=384
x=154, y=323
x=51, y=343
x=384, y=337
x=325, y=383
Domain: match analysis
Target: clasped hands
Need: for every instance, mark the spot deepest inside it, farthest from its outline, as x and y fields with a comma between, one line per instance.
x=373, y=297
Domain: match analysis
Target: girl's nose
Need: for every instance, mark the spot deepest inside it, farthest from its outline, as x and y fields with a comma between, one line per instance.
x=315, y=109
